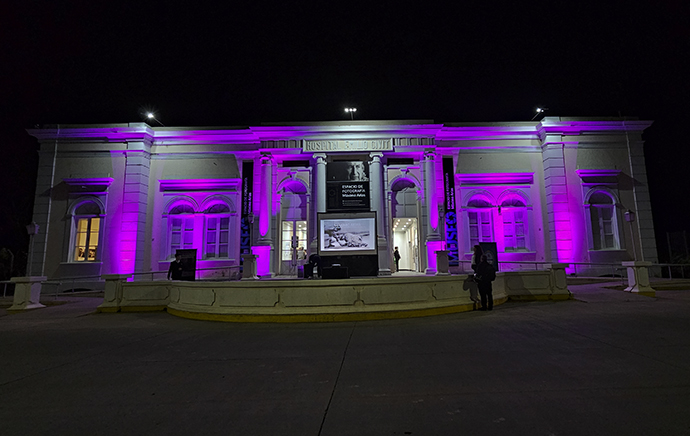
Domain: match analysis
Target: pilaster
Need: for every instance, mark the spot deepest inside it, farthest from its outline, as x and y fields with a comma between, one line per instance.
x=134, y=206
x=557, y=207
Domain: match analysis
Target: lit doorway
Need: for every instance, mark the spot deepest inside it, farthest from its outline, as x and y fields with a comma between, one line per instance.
x=293, y=228
x=405, y=237
x=405, y=231
x=293, y=246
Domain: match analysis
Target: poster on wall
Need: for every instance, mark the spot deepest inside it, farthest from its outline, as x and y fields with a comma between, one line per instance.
x=347, y=185
x=451, y=218
x=188, y=263
x=489, y=249
x=347, y=171
x=348, y=234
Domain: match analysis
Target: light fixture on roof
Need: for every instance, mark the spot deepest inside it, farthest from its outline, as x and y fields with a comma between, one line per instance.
x=151, y=116
x=352, y=111
x=539, y=110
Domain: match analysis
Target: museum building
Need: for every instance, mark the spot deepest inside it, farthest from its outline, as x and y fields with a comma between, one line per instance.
x=125, y=198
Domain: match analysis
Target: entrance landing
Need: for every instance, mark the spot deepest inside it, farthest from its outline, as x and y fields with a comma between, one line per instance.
x=354, y=299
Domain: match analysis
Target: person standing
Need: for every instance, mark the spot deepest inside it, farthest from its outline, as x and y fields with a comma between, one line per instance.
x=476, y=257
x=396, y=256
x=175, y=270
x=485, y=275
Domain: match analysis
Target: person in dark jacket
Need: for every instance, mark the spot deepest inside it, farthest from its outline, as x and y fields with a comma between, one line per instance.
x=175, y=270
x=485, y=275
x=476, y=257
x=314, y=261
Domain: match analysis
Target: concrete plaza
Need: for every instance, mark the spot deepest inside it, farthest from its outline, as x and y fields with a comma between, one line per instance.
x=605, y=363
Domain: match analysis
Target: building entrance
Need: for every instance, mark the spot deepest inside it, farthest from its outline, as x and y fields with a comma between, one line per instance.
x=405, y=230
x=405, y=237
x=292, y=246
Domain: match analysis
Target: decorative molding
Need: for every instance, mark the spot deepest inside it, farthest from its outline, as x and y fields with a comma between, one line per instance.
x=495, y=179
x=84, y=185
x=598, y=175
x=187, y=185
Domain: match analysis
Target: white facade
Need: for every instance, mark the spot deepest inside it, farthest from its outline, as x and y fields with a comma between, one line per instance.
x=123, y=198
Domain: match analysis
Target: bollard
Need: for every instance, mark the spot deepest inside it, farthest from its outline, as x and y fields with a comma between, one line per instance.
x=442, y=263
x=27, y=293
x=249, y=267
x=638, y=278
x=112, y=296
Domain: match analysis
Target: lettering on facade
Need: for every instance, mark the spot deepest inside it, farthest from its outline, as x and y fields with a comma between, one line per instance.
x=450, y=213
x=349, y=145
x=246, y=221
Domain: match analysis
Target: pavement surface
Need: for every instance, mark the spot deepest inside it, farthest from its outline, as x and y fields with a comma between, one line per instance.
x=605, y=363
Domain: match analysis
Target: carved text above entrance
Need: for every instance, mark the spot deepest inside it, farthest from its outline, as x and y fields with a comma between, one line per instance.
x=351, y=145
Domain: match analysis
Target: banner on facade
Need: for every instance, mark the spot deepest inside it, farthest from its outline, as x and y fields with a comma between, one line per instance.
x=347, y=185
x=246, y=218
x=451, y=218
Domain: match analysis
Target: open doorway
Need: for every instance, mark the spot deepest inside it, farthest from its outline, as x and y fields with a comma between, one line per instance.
x=405, y=237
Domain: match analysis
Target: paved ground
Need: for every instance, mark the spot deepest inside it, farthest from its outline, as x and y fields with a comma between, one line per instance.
x=607, y=363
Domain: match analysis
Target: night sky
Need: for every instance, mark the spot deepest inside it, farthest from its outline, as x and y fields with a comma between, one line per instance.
x=243, y=63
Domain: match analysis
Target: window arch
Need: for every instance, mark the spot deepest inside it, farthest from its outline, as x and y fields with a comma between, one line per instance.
x=479, y=211
x=86, y=230
x=514, y=214
x=603, y=219
x=217, y=234
x=180, y=226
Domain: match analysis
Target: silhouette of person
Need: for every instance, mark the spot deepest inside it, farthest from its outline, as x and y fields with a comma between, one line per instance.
x=485, y=275
x=175, y=270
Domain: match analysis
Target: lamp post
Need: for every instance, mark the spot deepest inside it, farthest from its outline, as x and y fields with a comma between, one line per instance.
x=352, y=111
x=540, y=110
x=151, y=116
x=630, y=218
x=31, y=229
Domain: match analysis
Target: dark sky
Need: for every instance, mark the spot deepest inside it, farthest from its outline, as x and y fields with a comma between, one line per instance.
x=242, y=63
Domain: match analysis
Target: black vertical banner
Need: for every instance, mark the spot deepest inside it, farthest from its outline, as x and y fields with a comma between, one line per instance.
x=451, y=216
x=247, y=196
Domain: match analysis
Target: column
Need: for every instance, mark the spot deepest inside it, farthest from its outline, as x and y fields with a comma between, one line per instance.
x=134, y=207
x=43, y=205
x=263, y=249
x=320, y=182
x=434, y=242
x=557, y=208
x=643, y=206
x=376, y=180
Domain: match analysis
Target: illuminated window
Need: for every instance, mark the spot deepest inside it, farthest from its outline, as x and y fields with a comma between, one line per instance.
x=298, y=231
x=181, y=228
x=87, y=223
x=217, y=231
x=479, y=218
x=603, y=222
x=514, y=214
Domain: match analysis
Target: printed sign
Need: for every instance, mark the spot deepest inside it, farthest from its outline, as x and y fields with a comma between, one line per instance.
x=347, y=185
x=451, y=218
x=245, y=220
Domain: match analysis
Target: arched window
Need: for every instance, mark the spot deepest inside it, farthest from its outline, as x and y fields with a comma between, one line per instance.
x=217, y=231
x=87, y=230
x=603, y=222
x=514, y=214
x=181, y=227
x=479, y=219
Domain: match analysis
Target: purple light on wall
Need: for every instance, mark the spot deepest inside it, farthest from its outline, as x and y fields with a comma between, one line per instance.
x=432, y=247
x=263, y=260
